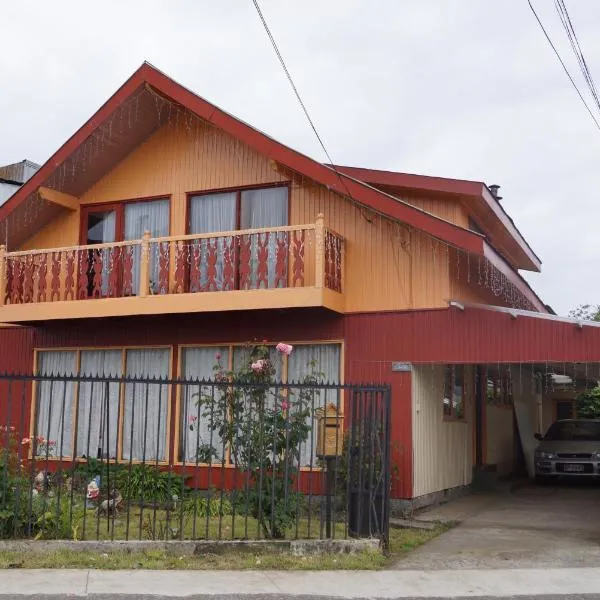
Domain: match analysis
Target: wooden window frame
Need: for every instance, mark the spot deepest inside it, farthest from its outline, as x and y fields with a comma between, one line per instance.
x=238, y=191
x=119, y=207
x=123, y=349
x=231, y=347
x=449, y=387
x=502, y=394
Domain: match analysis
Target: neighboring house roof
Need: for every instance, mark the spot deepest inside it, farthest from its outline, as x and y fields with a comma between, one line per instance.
x=147, y=75
x=13, y=176
x=500, y=228
x=19, y=172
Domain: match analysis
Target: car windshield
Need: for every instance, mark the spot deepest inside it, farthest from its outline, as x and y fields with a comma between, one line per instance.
x=587, y=431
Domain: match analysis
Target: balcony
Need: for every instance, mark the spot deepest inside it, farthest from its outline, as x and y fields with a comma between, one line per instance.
x=281, y=267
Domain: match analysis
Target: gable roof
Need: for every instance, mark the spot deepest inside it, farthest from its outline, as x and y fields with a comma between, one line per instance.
x=56, y=172
x=483, y=206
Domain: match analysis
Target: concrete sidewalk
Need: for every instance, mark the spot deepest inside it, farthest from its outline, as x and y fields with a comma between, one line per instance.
x=297, y=584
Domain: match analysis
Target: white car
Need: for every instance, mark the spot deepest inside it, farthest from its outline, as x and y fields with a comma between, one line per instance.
x=570, y=448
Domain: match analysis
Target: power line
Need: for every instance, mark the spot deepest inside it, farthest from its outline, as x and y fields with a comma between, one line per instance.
x=297, y=93
x=569, y=28
x=563, y=65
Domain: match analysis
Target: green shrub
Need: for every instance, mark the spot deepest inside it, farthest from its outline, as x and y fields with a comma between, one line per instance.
x=56, y=518
x=13, y=487
x=146, y=483
x=588, y=404
x=202, y=507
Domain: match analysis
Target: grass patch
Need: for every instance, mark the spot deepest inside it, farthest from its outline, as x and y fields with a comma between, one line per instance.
x=405, y=540
x=150, y=524
x=158, y=559
x=401, y=541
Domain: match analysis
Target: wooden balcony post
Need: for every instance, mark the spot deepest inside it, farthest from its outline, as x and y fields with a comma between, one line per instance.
x=145, y=265
x=320, y=251
x=2, y=274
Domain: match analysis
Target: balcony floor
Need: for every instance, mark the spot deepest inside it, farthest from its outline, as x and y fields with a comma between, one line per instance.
x=174, y=304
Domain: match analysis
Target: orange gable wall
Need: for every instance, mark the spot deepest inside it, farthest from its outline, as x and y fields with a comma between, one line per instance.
x=387, y=265
x=449, y=208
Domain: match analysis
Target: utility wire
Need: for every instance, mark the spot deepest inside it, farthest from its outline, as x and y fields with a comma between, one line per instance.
x=567, y=24
x=563, y=65
x=297, y=93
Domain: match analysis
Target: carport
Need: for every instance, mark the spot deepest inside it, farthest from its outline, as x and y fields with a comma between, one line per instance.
x=516, y=371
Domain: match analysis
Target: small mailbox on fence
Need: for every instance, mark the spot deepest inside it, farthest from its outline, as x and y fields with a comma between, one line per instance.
x=330, y=435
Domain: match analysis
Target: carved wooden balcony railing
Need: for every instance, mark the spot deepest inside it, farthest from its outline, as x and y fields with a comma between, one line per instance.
x=256, y=259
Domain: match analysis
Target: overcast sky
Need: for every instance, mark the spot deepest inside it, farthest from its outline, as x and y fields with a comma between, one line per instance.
x=465, y=88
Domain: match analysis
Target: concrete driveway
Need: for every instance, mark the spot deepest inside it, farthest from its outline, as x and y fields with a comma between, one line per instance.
x=533, y=527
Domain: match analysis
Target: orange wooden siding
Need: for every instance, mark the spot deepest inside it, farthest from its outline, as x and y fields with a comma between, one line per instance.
x=448, y=208
x=388, y=266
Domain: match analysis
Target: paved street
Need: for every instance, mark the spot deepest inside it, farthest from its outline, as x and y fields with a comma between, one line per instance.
x=545, y=583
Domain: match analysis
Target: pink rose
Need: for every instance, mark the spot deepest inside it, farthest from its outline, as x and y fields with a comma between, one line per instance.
x=284, y=348
x=284, y=405
x=192, y=419
x=258, y=366
x=218, y=356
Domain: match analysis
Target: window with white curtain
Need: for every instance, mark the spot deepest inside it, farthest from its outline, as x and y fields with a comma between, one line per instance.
x=152, y=216
x=321, y=361
x=99, y=404
x=212, y=213
x=55, y=400
x=146, y=405
x=196, y=432
x=238, y=210
x=266, y=207
x=88, y=423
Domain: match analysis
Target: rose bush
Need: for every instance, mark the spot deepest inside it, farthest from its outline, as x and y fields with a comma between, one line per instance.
x=264, y=427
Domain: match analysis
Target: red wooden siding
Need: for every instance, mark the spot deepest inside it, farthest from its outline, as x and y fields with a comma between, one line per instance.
x=16, y=356
x=365, y=358
x=371, y=343
x=479, y=336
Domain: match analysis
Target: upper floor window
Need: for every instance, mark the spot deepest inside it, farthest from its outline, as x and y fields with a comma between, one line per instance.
x=122, y=221
x=254, y=208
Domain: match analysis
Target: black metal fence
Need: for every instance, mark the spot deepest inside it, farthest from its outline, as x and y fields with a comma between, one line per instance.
x=117, y=458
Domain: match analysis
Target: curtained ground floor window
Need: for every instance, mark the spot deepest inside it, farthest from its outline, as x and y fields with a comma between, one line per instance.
x=323, y=361
x=130, y=420
x=103, y=419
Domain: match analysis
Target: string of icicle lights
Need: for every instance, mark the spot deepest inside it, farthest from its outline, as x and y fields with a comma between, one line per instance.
x=414, y=254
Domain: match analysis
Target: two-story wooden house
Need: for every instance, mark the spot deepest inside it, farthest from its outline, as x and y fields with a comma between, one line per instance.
x=166, y=230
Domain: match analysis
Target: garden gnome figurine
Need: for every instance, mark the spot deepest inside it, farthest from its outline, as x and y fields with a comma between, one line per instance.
x=93, y=491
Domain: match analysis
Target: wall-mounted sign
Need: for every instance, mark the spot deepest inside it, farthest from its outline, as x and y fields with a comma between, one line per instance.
x=401, y=367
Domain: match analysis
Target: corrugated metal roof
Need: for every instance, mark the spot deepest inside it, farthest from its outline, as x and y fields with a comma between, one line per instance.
x=19, y=172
